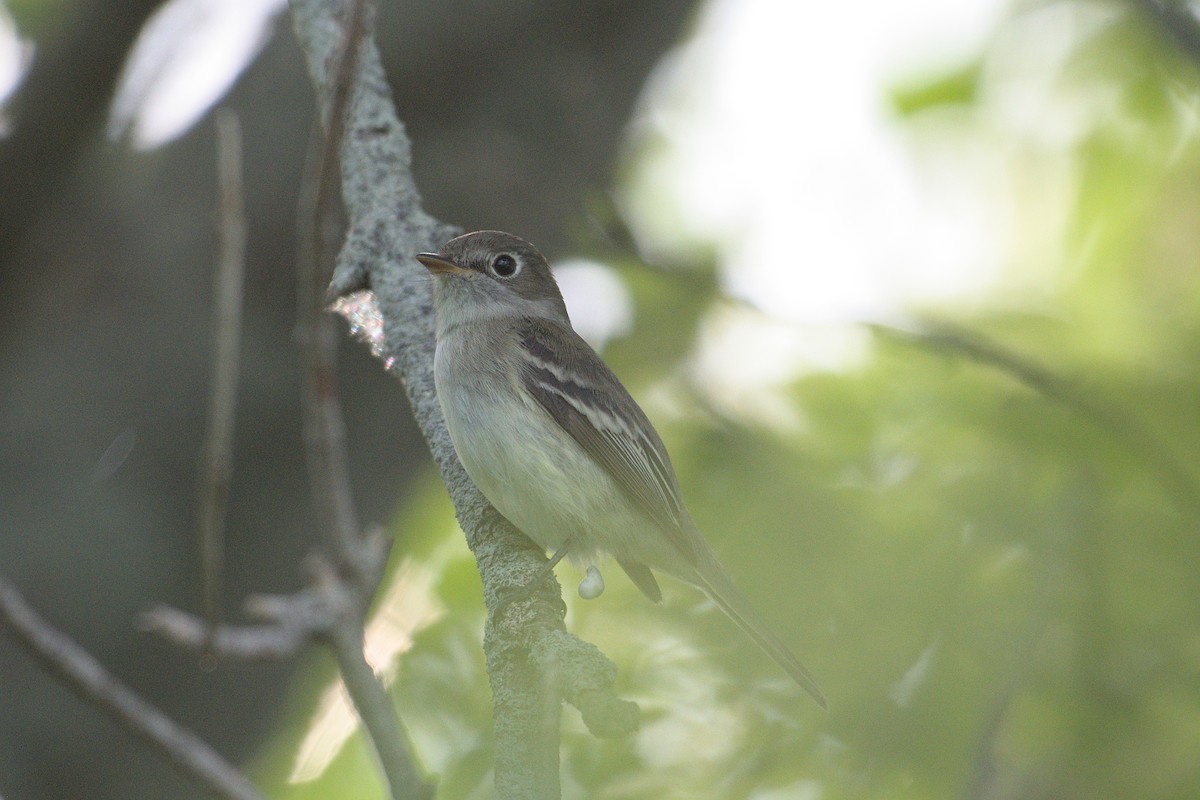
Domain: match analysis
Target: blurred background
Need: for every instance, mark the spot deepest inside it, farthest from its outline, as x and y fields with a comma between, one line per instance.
x=910, y=290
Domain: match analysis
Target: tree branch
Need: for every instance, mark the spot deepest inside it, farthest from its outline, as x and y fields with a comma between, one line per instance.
x=374, y=707
x=324, y=429
x=1122, y=426
x=348, y=591
x=387, y=228
x=88, y=678
x=217, y=459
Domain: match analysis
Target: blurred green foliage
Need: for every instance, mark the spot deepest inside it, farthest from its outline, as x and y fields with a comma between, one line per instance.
x=983, y=540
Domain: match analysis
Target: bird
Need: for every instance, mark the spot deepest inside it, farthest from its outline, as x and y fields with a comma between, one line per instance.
x=555, y=441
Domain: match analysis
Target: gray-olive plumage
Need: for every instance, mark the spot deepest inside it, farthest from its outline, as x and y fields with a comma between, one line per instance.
x=554, y=440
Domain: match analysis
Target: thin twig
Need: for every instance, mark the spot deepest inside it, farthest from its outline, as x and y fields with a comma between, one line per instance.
x=324, y=429
x=323, y=424
x=217, y=464
x=266, y=642
x=328, y=604
x=1122, y=426
x=374, y=707
x=87, y=677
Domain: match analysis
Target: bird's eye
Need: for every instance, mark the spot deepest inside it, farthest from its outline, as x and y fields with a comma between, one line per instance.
x=504, y=266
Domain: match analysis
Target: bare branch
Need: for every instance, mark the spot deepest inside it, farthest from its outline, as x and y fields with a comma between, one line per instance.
x=331, y=608
x=1122, y=426
x=217, y=460
x=324, y=429
x=387, y=227
x=267, y=642
x=328, y=603
x=374, y=707
x=88, y=678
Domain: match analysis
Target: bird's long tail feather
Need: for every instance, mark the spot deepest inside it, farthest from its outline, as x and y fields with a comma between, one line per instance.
x=716, y=583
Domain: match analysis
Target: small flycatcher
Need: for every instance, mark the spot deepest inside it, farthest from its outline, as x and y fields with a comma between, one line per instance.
x=551, y=437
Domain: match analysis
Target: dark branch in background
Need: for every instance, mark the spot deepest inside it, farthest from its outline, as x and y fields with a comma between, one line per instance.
x=217, y=462
x=356, y=557
x=58, y=109
x=324, y=429
x=374, y=707
x=70, y=663
x=1124, y=427
x=1177, y=21
x=289, y=629
x=346, y=574
x=86, y=676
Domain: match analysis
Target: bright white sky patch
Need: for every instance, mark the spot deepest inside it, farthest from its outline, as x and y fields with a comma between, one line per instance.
x=599, y=304
x=780, y=149
x=15, y=57
x=184, y=60
x=769, y=137
x=745, y=360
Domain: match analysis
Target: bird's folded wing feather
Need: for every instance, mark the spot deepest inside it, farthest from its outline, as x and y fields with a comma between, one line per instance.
x=583, y=396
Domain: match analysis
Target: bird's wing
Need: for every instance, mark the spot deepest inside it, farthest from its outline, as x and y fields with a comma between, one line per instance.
x=583, y=396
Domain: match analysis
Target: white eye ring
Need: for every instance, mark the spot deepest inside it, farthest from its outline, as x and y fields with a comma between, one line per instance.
x=505, y=265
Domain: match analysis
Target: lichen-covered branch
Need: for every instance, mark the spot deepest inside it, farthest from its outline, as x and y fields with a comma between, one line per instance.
x=387, y=228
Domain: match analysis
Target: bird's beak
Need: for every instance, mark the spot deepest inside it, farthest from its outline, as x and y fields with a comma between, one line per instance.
x=439, y=265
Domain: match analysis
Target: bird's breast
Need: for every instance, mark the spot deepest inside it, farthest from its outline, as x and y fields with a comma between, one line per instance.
x=527, y=466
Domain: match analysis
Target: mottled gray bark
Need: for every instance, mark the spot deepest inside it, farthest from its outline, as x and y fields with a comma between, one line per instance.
x=532, y=663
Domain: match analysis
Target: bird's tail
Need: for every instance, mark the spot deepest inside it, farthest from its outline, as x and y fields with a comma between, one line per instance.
x=715, y=582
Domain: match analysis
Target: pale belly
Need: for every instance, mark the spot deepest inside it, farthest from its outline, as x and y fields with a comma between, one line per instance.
x=539, y=478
